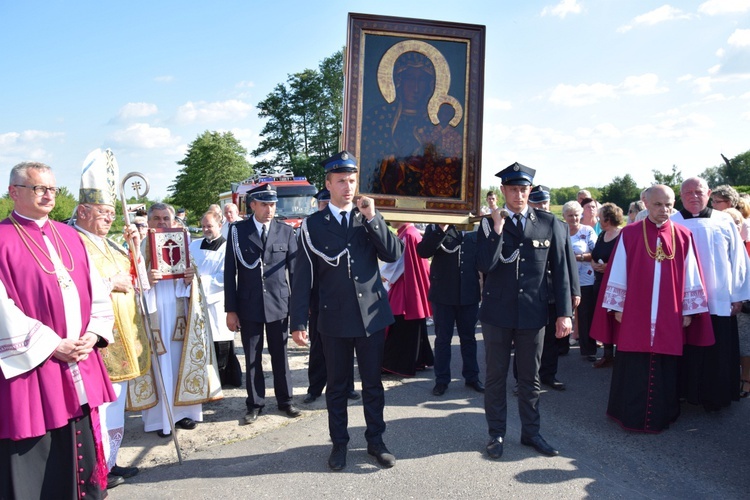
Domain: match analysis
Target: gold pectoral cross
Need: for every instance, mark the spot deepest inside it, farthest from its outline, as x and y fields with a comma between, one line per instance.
x=660, y=255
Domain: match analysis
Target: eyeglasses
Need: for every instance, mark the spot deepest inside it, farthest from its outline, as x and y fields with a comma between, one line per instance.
x=40, y=190
x=104, y=214
x=141, y=226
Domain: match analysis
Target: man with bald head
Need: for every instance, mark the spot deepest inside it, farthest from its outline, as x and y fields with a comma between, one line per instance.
x=653, y=292
x=710, y=374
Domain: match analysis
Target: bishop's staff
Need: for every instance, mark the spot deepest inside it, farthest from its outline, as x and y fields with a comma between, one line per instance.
x=142, y=309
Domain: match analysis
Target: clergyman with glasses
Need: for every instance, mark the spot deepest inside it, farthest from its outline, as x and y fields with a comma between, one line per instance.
x=55, y=313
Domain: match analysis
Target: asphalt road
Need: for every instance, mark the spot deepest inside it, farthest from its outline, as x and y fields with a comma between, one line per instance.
x=439, y=444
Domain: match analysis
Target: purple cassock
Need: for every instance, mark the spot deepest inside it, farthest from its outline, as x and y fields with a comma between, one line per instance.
x=45, y=397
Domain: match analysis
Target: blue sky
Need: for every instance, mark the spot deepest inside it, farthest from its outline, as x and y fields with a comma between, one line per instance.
x=581, y=90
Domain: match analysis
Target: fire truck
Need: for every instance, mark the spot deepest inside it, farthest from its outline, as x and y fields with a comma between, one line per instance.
x=296, y=195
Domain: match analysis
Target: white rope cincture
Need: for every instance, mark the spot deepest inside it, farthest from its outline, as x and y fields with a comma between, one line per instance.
x=328, y=260
x=513, y=257
x=238, y=253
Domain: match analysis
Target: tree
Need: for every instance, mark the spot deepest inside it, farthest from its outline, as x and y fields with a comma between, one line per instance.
x=735, y=172
x=303, y=120
x=65, y=203
x=621, y=191
x=673, y=179
x=214, y=160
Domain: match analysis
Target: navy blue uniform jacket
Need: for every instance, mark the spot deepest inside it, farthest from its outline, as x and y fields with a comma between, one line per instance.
x=352, y=300
x=266, y=299
x=516, y=295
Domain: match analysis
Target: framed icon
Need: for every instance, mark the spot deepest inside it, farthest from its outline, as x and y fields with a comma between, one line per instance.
x=413, y=103
x=169, y=251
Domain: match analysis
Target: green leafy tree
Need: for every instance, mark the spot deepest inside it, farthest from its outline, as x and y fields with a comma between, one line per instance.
x=214, y=160
x=672, y=179
x=65, y=203
x=735, y=172
x=561, y=196
x=621, y=191
x=6, y=206
x=714, y=176
x=303, y=120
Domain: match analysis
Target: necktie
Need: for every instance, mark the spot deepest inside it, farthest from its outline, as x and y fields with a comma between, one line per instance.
x=519, y=225
x=264, y=236
x=343, y=220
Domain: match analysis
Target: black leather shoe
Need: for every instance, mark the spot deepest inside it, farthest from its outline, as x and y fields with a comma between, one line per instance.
x=539, y=444
x=554, y=384
x=337, y=459
x=439, y=389
x=251, y=416
x=476, y=385
x=163, y=434
x=382, y=455
x=291, y=411
x=113, y=481
x=186, y=423
x=310, y=398
x=495, y=448
x=125, y=472
x=353, y=395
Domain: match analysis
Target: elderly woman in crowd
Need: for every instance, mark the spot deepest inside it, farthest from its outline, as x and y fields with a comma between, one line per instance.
x=633, y=210
x=589, y=216
x=610, y=217
x=583, y=239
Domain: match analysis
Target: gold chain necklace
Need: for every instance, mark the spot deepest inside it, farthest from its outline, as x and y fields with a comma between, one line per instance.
x=659, y=255
x=24, y=235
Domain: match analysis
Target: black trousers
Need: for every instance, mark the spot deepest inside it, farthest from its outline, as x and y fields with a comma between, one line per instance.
x=339, y=352
x=277, y=334
x=528, y=354
x=316, y=365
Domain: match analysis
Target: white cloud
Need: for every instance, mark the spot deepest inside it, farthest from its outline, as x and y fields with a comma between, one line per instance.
x=647, y=84
x=203, y=112
x=27, y=145
x=714, y=69
x=746, y=95
x=689, y=126
x=562, y=9
x=245, y=84
x=497, y=104
x=716, y=7
x=602, y=130
x=705, y=84
x=164, y=79
x=663, y=14
x=685, y=78
x=144, y=136
x=136, y=110
x=746, y=116
x=715, y=98
x=248, y=137
x=584, y=94
x=740, y=38
x=720, y=53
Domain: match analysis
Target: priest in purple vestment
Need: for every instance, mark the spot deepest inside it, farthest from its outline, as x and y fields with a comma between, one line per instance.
x=54, y=313
x=652, y=302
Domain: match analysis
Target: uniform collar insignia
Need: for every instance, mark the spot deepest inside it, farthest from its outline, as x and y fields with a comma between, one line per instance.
x=327, y=217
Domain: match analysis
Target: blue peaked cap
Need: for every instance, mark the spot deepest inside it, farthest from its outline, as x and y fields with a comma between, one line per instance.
x=539, y=194
x=341, y=162
x=265, y=192
x=517, y=175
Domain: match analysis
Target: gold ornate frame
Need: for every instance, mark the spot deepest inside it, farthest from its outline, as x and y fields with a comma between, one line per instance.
x=169, y=249
x=440, y=179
